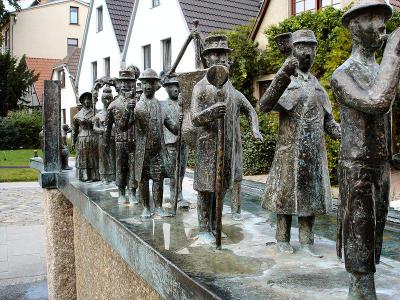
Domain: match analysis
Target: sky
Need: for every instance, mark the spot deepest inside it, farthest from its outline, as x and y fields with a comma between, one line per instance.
x=22, y=3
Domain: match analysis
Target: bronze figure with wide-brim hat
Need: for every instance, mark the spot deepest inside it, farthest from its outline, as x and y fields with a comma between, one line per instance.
x=363, y=5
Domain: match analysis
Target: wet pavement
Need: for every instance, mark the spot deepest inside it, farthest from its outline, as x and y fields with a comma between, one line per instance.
x=22, y=242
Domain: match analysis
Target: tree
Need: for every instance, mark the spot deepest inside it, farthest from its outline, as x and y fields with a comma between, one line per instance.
x=3, y=10
x=15, y=79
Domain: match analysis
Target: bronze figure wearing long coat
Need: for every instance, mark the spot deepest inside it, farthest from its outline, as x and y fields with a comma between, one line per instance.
x=298, y=181
x=204, y=96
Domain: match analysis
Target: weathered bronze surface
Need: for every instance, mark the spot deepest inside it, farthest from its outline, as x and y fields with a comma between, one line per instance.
x=106, y=154
x=120, y=119
x=206, y=111
x=365, y=92
x=85, y=141
x=64, y=147
x=298, y=182
x=151, y=156
x=173, y=109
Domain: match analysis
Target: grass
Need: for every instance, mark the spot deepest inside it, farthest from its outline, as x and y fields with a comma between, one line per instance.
x=17, y=158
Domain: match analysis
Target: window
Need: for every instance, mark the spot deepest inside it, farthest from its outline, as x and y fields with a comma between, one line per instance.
x=166, y=54
x=94, y=71
x=107, y=67
x=73, y=15
x=100, y=18
x=146, y=57
x=7, y=40
x=64, y=116
x=61, y=77
x=300, y=6
x=155, y=3
x=71, y=44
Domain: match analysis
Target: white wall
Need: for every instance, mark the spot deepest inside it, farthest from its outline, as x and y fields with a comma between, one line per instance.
x=68, y=98
x=151, y=26
x=99, y=45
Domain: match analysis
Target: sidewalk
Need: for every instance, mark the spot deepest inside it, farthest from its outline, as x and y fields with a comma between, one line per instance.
x=22, y=242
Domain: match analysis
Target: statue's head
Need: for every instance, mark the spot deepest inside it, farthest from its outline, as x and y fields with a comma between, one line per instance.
x=171, y=85
x=126, y=81
x=150, y=82
x=107, y=96
x=216, y=51
x=304, y=48
x=86, y=100
x=366, y=22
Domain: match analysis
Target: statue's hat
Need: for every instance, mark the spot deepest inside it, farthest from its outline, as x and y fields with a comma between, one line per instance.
x=84, y=95
x=107, y=92
x=217, y=43
x=303, y=36
x=377, y=6
x=149, y=74
x=169, y=80
x=126, y=75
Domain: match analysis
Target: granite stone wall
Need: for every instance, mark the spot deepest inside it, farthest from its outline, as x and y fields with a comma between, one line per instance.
x=100, y=272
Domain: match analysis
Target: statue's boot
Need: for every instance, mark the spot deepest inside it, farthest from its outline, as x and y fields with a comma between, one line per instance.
x=310, y=250
x=362, y=287
x=146, y=214
x=159, y=211
x=235, y=201
x=284, y=247
x=132, y=197
x=122, y=197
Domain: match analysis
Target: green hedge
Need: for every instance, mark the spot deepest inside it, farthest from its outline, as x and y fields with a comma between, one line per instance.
x=20, y=130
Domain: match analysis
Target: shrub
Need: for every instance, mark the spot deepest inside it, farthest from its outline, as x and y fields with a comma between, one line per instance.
x=20, y=129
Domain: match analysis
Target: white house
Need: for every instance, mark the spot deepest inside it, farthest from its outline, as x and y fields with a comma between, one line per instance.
x=103, y=41
x=65, y=71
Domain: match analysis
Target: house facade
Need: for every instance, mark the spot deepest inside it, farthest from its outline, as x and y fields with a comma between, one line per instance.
x=46, y=29
x=155, y=32
x=104, y=41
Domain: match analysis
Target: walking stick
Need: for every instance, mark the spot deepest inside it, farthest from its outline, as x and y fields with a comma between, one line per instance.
x=178, y=161
x=218, y=76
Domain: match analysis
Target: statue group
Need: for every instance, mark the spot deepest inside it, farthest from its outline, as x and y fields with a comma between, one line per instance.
x=136, y=138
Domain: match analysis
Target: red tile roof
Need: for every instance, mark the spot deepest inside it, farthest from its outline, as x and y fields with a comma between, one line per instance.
x=71, y=61
x=44, y=67
x=396, y=4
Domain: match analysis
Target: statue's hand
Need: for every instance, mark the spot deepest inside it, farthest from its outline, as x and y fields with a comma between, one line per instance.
x=131, y=104
x=73, y=146
x=180, y=118
x=218, y=110
x=393, y=43
x=290, y=65
x=257, y=135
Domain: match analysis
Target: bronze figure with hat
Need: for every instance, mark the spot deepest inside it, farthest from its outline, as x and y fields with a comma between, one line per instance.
x=122, y=119
x=210, y=104
x=365, y=92
x=84, y=141
x=151, y=157
x=298, y=181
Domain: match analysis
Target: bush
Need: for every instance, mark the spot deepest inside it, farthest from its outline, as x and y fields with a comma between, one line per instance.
x=20, y=129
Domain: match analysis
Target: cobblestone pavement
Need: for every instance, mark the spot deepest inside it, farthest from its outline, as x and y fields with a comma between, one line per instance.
x=20, y=203
x=22, y=242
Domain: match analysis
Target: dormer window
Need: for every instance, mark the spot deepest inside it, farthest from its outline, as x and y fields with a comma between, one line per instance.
x=155, y=3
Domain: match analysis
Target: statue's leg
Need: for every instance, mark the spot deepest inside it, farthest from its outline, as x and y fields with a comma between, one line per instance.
x=182, y=203
x=171, y=190
x=144, y=196
x=382, y=191
x=204, y=202
x=235, y=201
x=132, y=184
x=358, y=223
x=121, y=171
x=283, y=225
x=158, y=192
x=306, y=236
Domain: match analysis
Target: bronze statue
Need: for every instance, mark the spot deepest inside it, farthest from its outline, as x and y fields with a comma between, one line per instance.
x=365, y=92
x=206, y=111
x=85, y=141
x=106, y=154
x=298, y=182
x=64, y=147
x=120, y=119
x=151, y=157
x=172, y=108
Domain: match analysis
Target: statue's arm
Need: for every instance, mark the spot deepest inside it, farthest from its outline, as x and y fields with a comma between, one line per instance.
x=109, y=124
x=379, y=98
x=140, y=115
x=171, y=124
x=331, y=127
x=250, y=112
x=75, y=130
x=96, y=126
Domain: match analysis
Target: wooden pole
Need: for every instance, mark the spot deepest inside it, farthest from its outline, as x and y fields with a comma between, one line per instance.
x=177, y=174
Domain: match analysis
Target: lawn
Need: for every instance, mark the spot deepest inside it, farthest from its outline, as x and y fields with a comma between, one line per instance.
x=17, y=158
